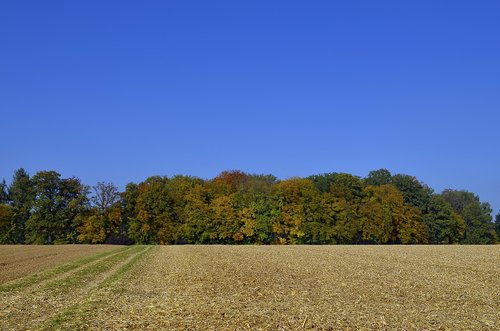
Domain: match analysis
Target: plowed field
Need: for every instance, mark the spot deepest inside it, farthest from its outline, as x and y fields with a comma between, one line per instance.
x=262, y=287
x=21, y=260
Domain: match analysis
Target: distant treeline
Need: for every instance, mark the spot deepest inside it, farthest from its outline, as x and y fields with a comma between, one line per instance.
x=241, y=208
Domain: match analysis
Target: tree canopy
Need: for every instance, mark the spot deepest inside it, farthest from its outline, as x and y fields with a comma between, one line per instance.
x=238, y=208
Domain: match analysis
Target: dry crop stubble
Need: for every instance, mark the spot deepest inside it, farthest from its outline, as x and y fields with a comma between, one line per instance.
x=20, y=260
x=300, y=287
x=34, y=303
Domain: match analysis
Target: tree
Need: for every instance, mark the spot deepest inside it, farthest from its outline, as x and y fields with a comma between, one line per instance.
x=236, y=207
x=197, y=226
x=57, y=203
x=128, y=214
x=91, y=227
x=21, y=196
x=179, y=190
x=379, y=177
x=7, y=224
x=348, y=186
x=226, y=221
x=295, y=206
x=415, y=193
x=444, y=225
x=323, y=181
x=154, y=210
x=395, y=221
x=497, y=225
x=106, y=196
x=4, y=196
x=107, y=201
x=228, y=182
x=476, y=214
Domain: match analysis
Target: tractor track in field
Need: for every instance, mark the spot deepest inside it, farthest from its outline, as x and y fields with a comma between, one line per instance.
x=265, y=288
x=18, y=261
x=31, y=283
x=29, y=307
x=298, y=287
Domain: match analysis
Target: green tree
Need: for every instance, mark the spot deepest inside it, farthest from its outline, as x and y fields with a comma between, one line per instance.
x=128, y=214
x=444, y=225
x=415, y=193
x=4, y=196
x=348, y=186
x=497, y=225
x=21, y=196
x=179, y=188
x=323, y=181
x=379, y=177
x=57, y=203
x=153, y=223
x=7, y=224
x=476, y=214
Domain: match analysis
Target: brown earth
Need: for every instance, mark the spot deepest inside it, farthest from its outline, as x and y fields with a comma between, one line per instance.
x=267, y=288
x=20, y=260
x=301, y=287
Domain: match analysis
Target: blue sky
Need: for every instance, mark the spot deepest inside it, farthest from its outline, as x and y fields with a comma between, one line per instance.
x=121, y=90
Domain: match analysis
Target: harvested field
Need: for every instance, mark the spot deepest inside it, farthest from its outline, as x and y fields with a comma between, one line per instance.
x=21, y=260
x=265, y=287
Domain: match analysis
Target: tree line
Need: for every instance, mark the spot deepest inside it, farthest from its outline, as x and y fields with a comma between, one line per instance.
x=240, y=208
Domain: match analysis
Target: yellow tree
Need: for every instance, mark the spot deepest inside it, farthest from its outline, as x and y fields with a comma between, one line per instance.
x=91, y=229
x=388, y=219
x=296, y=203
x=153, y=207
x=226, y=219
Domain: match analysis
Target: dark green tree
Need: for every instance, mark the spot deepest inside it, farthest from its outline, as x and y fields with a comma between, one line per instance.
x=57, y=203
x=415, y=193
x=476, y=214
x=128, y=214
x=323, y=181
x=497, y=225
x=154, y=210
x=21, y=196
x=444, y=225
x=379, y=177
x=4, y=195
x=7, y=224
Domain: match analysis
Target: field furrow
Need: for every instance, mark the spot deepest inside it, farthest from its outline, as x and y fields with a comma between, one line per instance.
x=28, y=308
x=266, y=288
x=17, y=261
x=63, y=271
x=300, y=287
x=61, y=320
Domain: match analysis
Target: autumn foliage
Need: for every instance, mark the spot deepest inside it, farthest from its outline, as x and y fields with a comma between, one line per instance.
x=240, y=208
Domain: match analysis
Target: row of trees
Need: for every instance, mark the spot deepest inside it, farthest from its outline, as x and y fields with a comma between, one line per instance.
x=235, y=207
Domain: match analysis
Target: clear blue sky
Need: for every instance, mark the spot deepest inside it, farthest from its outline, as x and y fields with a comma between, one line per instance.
x=121, y=90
